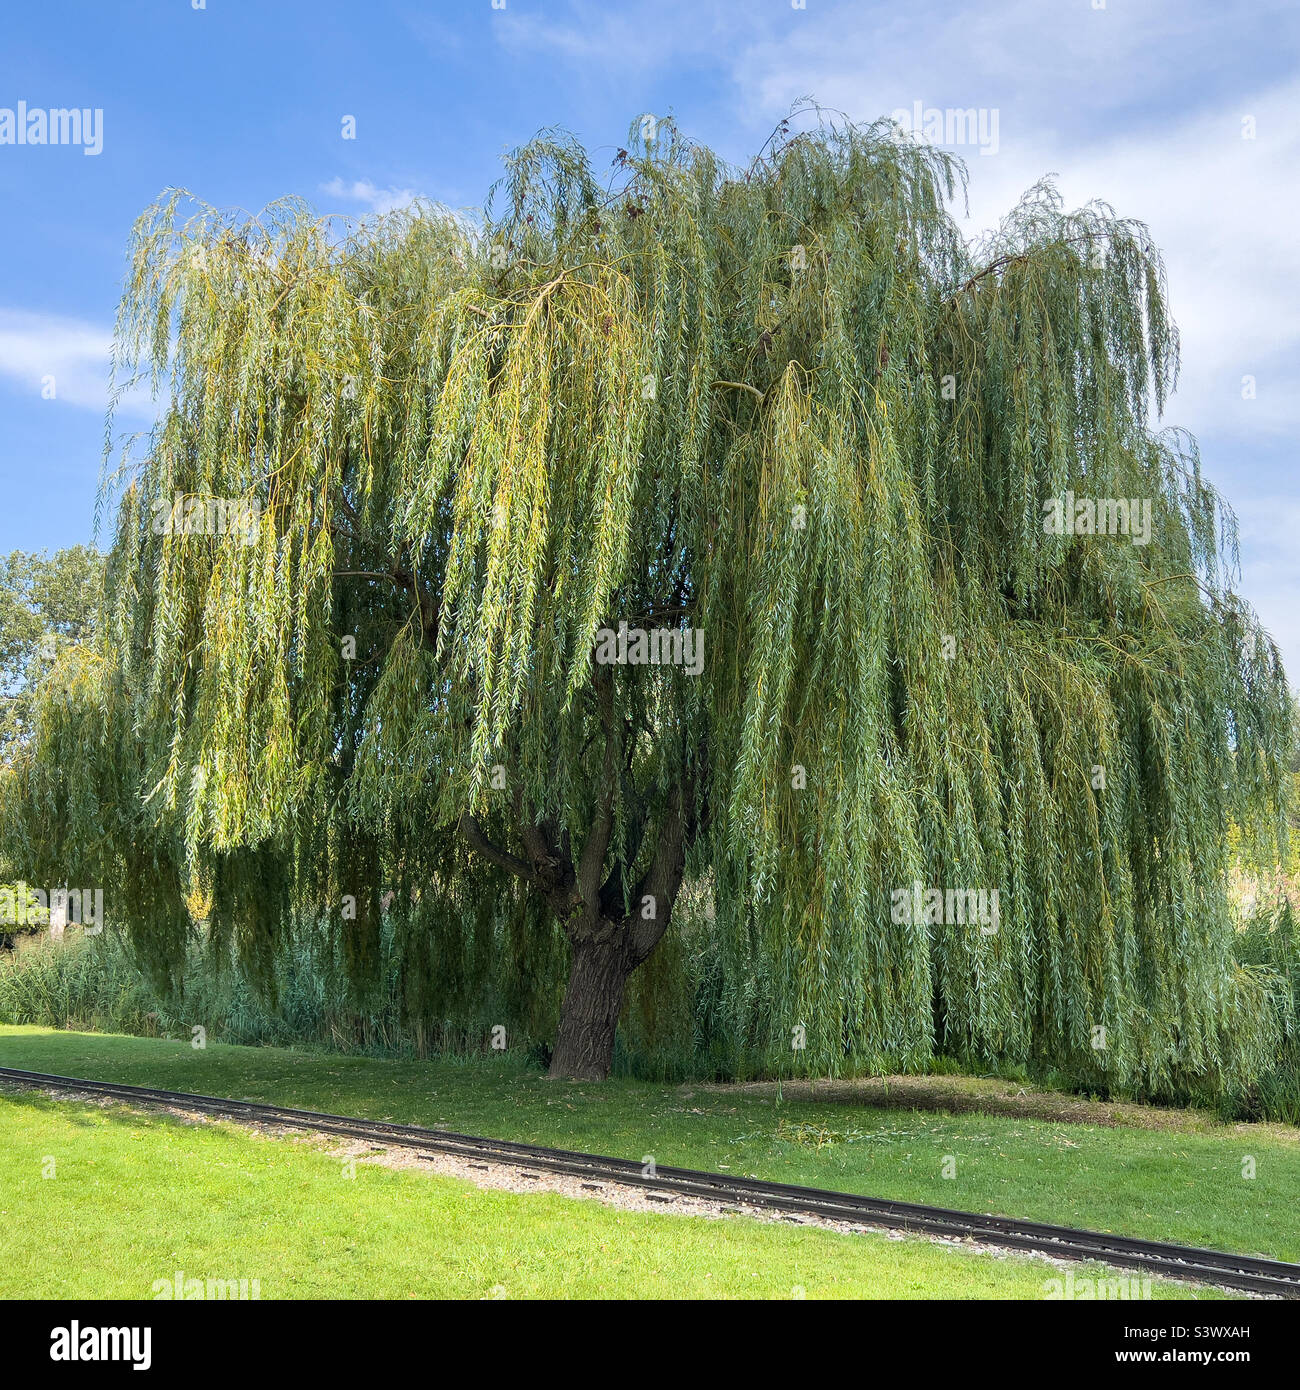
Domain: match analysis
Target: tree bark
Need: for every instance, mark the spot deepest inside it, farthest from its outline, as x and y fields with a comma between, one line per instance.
x=584, y=1044
x=608, y=948
x=607, y=941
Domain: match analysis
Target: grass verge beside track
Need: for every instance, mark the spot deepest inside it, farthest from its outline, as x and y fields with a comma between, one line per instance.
x=1165, y=1185
x=103, y=1202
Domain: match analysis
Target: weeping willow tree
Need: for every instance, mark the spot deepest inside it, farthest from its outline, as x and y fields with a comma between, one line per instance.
x=785, y=415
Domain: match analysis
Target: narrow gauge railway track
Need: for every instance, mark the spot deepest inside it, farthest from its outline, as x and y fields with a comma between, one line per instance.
x=1157, y=1258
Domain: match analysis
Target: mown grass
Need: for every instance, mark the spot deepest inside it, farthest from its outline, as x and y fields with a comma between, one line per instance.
x=1170, y=1185
x=101, y=1203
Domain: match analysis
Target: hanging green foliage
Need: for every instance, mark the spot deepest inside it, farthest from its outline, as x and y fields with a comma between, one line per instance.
x=954, y=699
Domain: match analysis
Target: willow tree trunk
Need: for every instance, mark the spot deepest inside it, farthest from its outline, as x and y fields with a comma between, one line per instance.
x=601, y=964
x=606, y=941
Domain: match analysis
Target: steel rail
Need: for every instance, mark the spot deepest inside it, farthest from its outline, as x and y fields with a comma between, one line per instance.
x=1247, y=1272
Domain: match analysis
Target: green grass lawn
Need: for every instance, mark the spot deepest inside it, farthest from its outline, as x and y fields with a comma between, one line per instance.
x=1159, y=1183
x=102, y=1202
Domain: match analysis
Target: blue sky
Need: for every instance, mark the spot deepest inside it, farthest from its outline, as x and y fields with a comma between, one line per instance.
x=1185, y=113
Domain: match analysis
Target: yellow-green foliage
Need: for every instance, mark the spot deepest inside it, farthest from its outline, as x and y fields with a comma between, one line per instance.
x=787, y=405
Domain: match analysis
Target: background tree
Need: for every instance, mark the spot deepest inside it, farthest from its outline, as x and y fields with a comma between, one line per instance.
x=47, y=603
x=787, y=405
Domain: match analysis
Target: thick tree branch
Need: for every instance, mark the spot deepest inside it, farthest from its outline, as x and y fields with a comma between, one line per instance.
x=602, y=825
x=480, y=844
x=662, y=879
x=551, y=864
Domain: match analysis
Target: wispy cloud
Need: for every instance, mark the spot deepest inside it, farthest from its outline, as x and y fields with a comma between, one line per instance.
x=609, y=42
x=371, y=197
x=1068, y=67
x=61, y=359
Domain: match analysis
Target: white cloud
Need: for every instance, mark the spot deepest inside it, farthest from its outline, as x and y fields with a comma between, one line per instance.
x=374, y=199
x=601, y=41
x=1230, y=256
x=44, y=353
